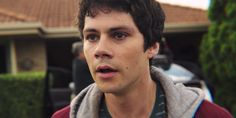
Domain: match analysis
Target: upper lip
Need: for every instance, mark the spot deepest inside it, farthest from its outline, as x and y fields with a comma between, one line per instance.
x=103, y=68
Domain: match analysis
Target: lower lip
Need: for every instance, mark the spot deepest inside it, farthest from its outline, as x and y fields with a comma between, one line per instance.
x=106, y=75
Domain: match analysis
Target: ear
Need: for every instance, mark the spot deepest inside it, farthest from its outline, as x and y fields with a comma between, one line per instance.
x=153, y=50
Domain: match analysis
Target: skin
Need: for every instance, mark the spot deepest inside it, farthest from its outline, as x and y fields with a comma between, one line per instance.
x=112, y=40
x=81, y=56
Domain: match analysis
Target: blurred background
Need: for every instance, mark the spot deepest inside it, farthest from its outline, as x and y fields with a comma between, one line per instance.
x=36, y=38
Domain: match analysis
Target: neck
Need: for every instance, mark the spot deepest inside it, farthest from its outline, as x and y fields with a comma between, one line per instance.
x=138, y=102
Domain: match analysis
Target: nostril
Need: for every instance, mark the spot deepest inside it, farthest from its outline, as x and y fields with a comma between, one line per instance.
x=102, y=55
x=106, y=55
x=96, y=55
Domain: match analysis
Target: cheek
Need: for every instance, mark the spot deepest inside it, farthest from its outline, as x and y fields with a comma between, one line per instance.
x=89, y=57
x=87, y=52
x=133, y=58
x=86, y=55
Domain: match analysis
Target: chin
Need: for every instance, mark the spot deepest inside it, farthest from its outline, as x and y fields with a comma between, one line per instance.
x=109, y=89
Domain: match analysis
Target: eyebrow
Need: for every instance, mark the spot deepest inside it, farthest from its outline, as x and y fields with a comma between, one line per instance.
x=111, y=29
x=90, y=30
x=121, y=28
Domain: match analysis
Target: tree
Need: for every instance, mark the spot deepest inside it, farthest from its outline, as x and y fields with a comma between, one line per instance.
x=218, y=52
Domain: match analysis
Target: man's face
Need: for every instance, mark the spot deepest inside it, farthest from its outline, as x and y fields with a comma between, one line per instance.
x=113, y=48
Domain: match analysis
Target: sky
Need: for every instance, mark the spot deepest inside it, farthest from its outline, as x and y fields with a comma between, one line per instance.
x=201, y=4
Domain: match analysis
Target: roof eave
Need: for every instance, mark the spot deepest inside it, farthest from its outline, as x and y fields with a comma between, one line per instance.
x=186, y=27
x=36, y=28
x=60, y=32
x=7, y=29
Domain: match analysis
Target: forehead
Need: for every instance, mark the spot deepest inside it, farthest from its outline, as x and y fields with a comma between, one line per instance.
x=109, y=19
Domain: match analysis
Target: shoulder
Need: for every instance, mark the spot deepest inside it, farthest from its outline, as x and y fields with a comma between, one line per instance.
x=62, y=113
x=211, y=110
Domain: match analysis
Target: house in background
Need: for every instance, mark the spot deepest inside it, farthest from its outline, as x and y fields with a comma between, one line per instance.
x=36, y=34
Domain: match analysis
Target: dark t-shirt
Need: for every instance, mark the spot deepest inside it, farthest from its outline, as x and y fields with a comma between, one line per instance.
x=81, y=75
x=159, y=110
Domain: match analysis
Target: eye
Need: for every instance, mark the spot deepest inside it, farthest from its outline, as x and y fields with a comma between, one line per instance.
x=119, y=35
x=91, y=37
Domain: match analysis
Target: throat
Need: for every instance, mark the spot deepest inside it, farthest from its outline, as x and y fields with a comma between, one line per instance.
x=132, y=105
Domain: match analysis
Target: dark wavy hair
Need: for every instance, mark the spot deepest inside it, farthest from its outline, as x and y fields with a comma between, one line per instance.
x=148, y=16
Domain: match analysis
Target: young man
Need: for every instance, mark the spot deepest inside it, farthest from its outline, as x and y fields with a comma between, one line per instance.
x=80, y=71
x=120, y=38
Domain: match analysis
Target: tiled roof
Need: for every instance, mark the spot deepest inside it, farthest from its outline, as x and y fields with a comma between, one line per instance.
x=13, y=16
x=179, y=14
x=62, y=13
x=51, y=13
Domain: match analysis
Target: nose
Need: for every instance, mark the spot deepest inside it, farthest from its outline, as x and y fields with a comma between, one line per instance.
x=103, y=49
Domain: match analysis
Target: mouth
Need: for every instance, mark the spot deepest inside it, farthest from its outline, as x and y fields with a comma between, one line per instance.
x=105, y=71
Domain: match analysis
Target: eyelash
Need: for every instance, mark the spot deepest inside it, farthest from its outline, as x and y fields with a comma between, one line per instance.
x=91, y=37
x=119, y=35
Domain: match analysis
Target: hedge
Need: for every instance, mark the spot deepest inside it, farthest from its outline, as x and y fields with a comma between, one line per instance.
x=21, y=95
x=218, y=52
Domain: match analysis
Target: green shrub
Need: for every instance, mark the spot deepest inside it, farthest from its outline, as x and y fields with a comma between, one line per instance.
x=218, y=52
x=21, y=95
